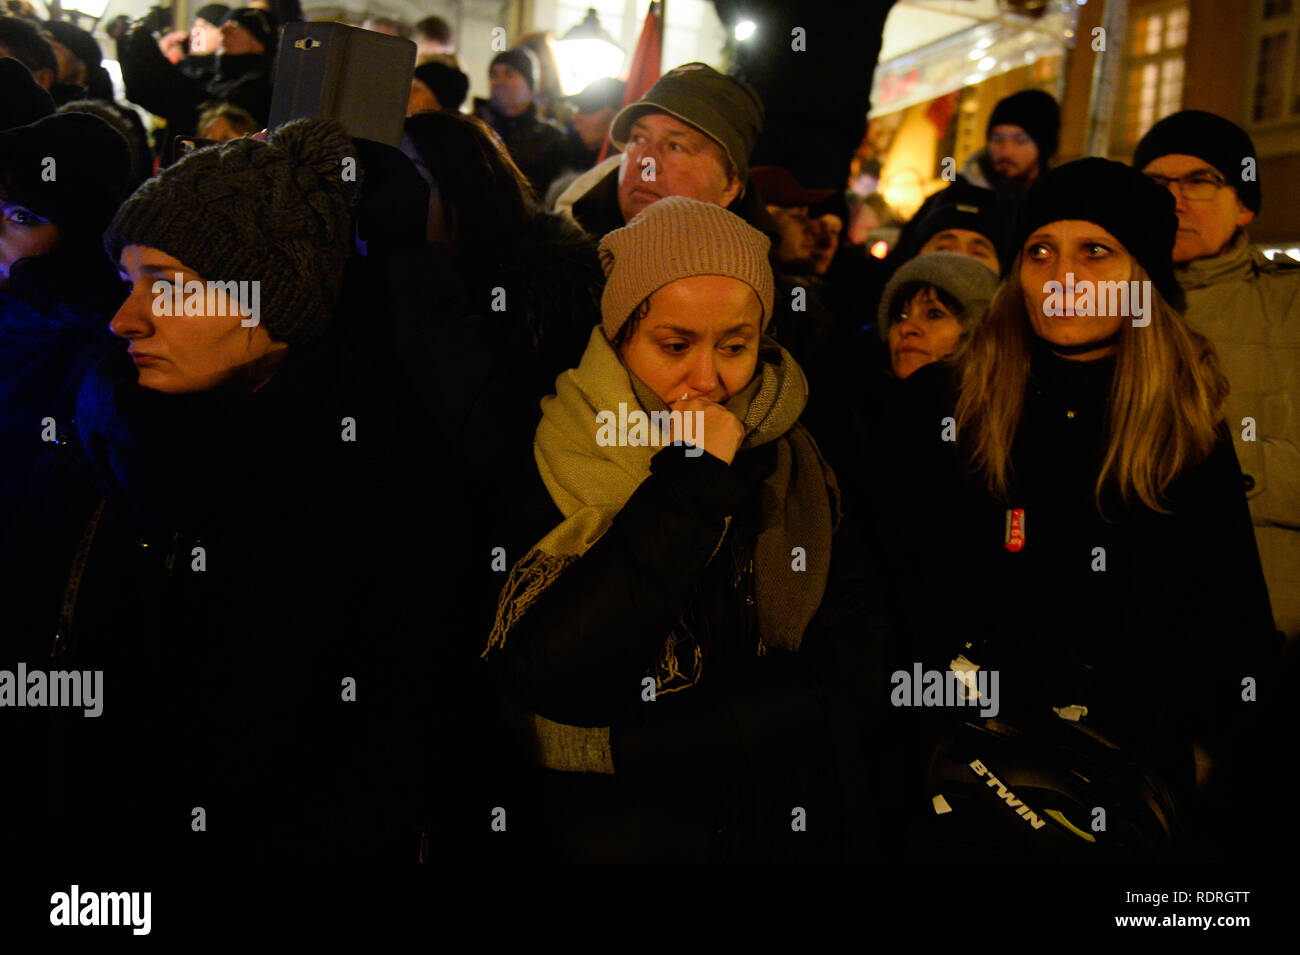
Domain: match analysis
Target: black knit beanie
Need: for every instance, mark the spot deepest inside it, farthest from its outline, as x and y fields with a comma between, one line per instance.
x=1122, y=201
x=71, y=168
x=22, y=99
x=449, y=84
x=262, y=25
x=278, y=213
x=966, y=206
x=524, y=62
x=81, y=44
x=213, y=13
x=1222, y=144
x=1037, y=113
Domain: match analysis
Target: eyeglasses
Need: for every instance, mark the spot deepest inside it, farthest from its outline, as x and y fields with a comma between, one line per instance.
x=1198, y=187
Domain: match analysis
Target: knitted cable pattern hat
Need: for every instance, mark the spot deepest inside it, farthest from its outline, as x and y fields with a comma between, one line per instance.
x=676, y=238
x=1122, y=201
x=278, y=213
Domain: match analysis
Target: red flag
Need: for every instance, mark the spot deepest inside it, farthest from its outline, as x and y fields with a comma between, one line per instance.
x=646, y=62
x=940, y=110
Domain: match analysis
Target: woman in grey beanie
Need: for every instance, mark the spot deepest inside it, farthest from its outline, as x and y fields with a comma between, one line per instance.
x=711, y=575
x=931, y=306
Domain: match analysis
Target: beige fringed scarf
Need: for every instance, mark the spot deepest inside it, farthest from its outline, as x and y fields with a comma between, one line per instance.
x=590, y=484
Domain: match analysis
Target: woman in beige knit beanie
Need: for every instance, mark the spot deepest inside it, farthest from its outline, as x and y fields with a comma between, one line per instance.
x=688, y=642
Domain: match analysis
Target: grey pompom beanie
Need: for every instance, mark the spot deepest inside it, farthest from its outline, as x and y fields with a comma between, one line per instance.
x=968, y=280
x=276, y=212
x=676, y=238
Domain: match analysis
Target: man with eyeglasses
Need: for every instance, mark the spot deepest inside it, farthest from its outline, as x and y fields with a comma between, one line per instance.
x=1249, y=307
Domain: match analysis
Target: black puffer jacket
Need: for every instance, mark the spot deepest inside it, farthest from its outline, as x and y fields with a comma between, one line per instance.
x=716, y=771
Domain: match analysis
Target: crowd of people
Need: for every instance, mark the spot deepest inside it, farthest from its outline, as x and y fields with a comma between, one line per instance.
x=344, y=484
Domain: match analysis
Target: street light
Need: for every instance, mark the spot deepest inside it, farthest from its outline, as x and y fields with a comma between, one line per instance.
x=745, y=29
x=585, y=53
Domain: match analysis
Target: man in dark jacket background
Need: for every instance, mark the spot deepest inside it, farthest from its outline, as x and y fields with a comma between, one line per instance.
x=535, y=144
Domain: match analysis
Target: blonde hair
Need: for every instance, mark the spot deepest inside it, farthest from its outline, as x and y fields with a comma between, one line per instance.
x=1165, y=400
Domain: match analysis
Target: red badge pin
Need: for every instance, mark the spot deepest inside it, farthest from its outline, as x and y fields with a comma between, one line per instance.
x=1015, y=533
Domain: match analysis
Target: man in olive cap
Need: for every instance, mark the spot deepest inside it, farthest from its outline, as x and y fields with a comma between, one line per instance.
x=690, y=135
x=1249, y=307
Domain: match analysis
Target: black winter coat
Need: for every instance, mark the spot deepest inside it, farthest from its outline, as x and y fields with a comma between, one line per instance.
x=253, y=585
x=536, y=145
x=716, y=771
x=1150, y=620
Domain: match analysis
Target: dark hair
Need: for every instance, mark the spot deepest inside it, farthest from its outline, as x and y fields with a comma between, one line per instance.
x=436, y=29
x=28, y=44
x=628, y=328
x=484, y=194
x=909, y=290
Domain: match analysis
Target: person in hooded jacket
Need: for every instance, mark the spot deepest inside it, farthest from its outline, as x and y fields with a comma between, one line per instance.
x=57, y=287
x=224, y=536
x=686, y=691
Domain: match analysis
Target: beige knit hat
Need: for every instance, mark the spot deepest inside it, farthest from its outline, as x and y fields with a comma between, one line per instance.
x=676, y=238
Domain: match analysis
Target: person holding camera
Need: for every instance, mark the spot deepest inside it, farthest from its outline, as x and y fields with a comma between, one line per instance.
x=240, y=74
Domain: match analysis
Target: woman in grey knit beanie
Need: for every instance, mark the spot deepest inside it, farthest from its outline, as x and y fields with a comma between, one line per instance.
x=692, y=527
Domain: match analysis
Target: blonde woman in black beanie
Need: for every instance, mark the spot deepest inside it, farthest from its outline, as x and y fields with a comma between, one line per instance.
x=687, y=637
x=1092, y=525
x=215, y=532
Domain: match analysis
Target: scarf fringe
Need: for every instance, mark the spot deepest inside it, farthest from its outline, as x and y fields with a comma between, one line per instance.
x=534, y=572
x=668, y=674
